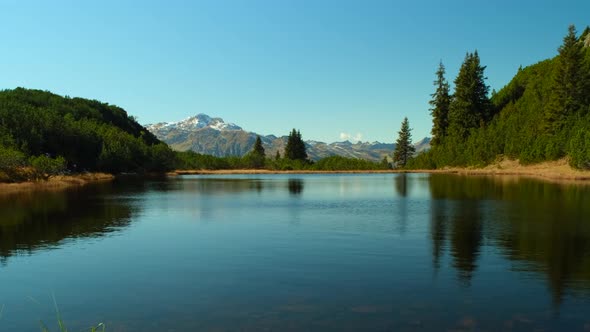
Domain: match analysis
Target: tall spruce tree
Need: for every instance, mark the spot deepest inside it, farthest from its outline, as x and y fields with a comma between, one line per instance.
x=257, y=156
x=570, y=82
x=470, y=107
x=258, y=148
x=404, y=150
x=295, y=149
x=440, y=102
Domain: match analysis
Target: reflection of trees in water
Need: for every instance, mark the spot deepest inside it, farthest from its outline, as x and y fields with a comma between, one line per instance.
x=36, y=220
x=212, y=185
x=401, y=184
x=438, y=230
x=553, y=233
x=462, y=222
x=466, y=238
x=401, y=187
x=532, y=222
x=295, y=186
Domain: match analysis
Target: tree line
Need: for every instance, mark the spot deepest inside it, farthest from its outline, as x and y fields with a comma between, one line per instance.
x=542, y=114
x=294, y=158
x=44, y=134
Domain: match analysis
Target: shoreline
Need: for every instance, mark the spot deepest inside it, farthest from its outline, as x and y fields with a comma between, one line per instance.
x=553, y=171
x=56, y=183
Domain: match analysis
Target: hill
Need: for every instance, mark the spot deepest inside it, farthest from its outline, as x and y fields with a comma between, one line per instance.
x=44, y=133
x=543, y=114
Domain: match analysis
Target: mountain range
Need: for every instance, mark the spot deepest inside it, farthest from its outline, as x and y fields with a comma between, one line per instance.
x=213, y=136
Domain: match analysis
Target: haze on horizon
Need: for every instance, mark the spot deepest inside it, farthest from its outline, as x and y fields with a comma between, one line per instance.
x=333, y=69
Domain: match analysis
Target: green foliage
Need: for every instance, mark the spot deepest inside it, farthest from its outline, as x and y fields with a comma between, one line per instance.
x=542, y=114
x=579, y=145
x=46, y=166
x=295, y=149
x=10, y=158
x=404, y=150
x=338, y=163
x=440, y=102
x=569, y=89
x=470, y=107
x=88, y=134
x=257, y=157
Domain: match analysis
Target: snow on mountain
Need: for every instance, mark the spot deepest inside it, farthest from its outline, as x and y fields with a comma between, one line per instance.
x=213, y=136
x=199, y=121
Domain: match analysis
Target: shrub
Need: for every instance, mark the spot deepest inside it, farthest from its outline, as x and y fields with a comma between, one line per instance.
x=45, y=166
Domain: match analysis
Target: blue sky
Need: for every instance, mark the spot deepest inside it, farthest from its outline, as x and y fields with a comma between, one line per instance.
x=325, y=67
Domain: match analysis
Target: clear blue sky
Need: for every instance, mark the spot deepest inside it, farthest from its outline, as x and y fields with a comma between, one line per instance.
x=325, y=67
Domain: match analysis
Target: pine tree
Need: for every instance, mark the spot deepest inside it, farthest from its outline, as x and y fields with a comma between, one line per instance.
x=470, y=107
x=404, y=150
x=570, y=81
x=278, y=155
x=440, y=103
x=295, y=149
x=257, y=156
x=258, y=148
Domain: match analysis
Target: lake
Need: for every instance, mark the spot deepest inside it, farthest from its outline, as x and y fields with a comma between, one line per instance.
x=371, y=252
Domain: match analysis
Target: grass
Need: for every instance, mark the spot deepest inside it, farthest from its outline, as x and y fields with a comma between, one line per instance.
x=62, y=326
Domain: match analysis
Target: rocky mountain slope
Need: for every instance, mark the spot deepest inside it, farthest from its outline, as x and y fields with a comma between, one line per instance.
x=213, y=136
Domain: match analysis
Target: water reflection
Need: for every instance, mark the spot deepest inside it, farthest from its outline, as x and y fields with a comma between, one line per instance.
x=541, y=227
x=466, y=238
x=438, y=230
x=401, y=184
x=295, y=186
x=33, y=221
x=401, y=187
x=234, y=185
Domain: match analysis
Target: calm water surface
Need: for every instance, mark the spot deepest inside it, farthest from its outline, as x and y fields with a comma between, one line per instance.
x=299, y=253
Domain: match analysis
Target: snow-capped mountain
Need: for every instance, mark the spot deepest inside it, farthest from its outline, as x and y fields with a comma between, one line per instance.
x=192, y=123
x=213, y=136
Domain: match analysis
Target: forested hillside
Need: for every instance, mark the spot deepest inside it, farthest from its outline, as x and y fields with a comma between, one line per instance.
x=542, y=114
x=43, y=133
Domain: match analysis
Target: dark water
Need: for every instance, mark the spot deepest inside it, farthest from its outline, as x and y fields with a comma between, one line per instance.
x=299, y=253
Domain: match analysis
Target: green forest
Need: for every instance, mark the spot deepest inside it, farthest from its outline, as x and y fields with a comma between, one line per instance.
x=44, y=134
x=542, y=114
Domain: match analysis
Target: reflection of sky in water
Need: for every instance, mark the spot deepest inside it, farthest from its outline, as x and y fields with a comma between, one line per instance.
x=300, y=252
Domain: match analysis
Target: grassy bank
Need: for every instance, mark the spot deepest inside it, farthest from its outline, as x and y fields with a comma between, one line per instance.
x=555, y=171
x=266, y=171
x=56, y=182
x=559, y=170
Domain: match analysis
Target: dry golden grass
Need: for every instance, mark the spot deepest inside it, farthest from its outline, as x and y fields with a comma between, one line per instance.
x=553, y=171
x=557, y=171
x=55, y=182
x=265, y=171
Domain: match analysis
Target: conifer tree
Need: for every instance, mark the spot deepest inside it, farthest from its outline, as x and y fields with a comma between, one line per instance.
x=470, y=107
x=258, y=148
x=404, y=150
x=295, y=149
x=440, y=103
x=570, y=80
x=278, y=155
x=257, y=156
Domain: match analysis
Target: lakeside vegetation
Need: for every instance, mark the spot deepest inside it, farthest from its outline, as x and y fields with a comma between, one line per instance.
x=43, y=134
x=543, y=114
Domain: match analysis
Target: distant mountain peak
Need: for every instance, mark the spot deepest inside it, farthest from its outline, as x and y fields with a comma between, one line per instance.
x=199, y=121
x=208, y=135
